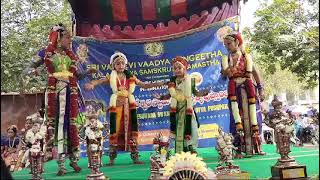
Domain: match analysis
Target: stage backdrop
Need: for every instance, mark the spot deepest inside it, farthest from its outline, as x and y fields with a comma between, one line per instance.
x=152, y=61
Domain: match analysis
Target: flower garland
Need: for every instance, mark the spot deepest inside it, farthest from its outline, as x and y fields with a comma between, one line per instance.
x=234, y=103
x=52, y=82
x=116, y=92
x=187, y=94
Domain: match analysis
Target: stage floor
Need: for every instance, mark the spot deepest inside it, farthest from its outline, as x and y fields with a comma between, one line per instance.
x=258, y=166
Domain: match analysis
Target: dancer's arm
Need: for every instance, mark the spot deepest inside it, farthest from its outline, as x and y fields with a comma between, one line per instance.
x=196, y=92
x=257, y=77
x=249, y=65
x=37, y=61
x=82, y=75
x=92, y=84
x=161, y=97
x=225, y=69
x=201, y=93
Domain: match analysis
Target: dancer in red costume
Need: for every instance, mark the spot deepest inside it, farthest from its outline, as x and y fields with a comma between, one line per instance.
x=62, y=96
x=238, y=67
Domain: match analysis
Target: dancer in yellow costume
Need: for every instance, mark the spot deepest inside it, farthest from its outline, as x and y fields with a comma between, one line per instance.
x=123, y=107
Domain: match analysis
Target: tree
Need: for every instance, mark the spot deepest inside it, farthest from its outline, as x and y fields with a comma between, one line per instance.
x=287, y=34
x=24, y=30
x=281, y=81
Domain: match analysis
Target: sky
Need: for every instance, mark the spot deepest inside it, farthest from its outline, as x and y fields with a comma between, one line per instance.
x=246, y=13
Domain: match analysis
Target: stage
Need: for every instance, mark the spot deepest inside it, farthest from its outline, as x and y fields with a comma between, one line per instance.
x=258, y=166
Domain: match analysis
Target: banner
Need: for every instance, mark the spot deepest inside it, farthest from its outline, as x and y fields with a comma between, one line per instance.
x=152, y=62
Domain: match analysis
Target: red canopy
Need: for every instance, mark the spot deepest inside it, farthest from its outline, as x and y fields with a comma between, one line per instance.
x=136, y=19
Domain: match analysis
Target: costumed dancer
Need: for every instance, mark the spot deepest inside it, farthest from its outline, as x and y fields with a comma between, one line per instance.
x=183, y=122
x=62, y=96
x=123, y=107
x=94, y=140
x=62, y=91
x=238, y=139
x=238, y=67
x=32, y=69
x=35, y=138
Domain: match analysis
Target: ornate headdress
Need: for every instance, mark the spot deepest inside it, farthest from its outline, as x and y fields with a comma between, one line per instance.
x=55, y=35
x=235, y=36
x=117, y=55
x=182, y=60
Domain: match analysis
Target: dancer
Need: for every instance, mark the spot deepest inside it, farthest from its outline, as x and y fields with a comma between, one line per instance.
x=62, y=97
x=183, y=122
x=123, y=107
x=238, y=67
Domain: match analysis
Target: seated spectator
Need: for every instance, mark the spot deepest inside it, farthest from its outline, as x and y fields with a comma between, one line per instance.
x=10, y=154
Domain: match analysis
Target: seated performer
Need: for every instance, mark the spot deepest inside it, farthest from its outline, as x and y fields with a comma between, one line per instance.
x=123, y=107
x=238, y=67
x=183, y=122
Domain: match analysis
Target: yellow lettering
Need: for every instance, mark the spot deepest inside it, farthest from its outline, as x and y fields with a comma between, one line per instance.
x=200, y=109
x=213, y=54
x=104, y=66
x=160, y=114
x=217, y=107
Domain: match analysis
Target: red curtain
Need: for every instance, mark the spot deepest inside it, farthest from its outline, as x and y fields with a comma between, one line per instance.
x=119, y=10
x=149, y=9
x=178, y=7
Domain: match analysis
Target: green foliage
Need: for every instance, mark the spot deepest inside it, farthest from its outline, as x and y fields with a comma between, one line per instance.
x=281, y=81
x=24, y=30
x=287, y=35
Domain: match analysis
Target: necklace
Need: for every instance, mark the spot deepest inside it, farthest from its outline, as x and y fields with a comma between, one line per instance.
x=180, y=79
x=231, y=60
x=11, y=145
x=122, y=86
